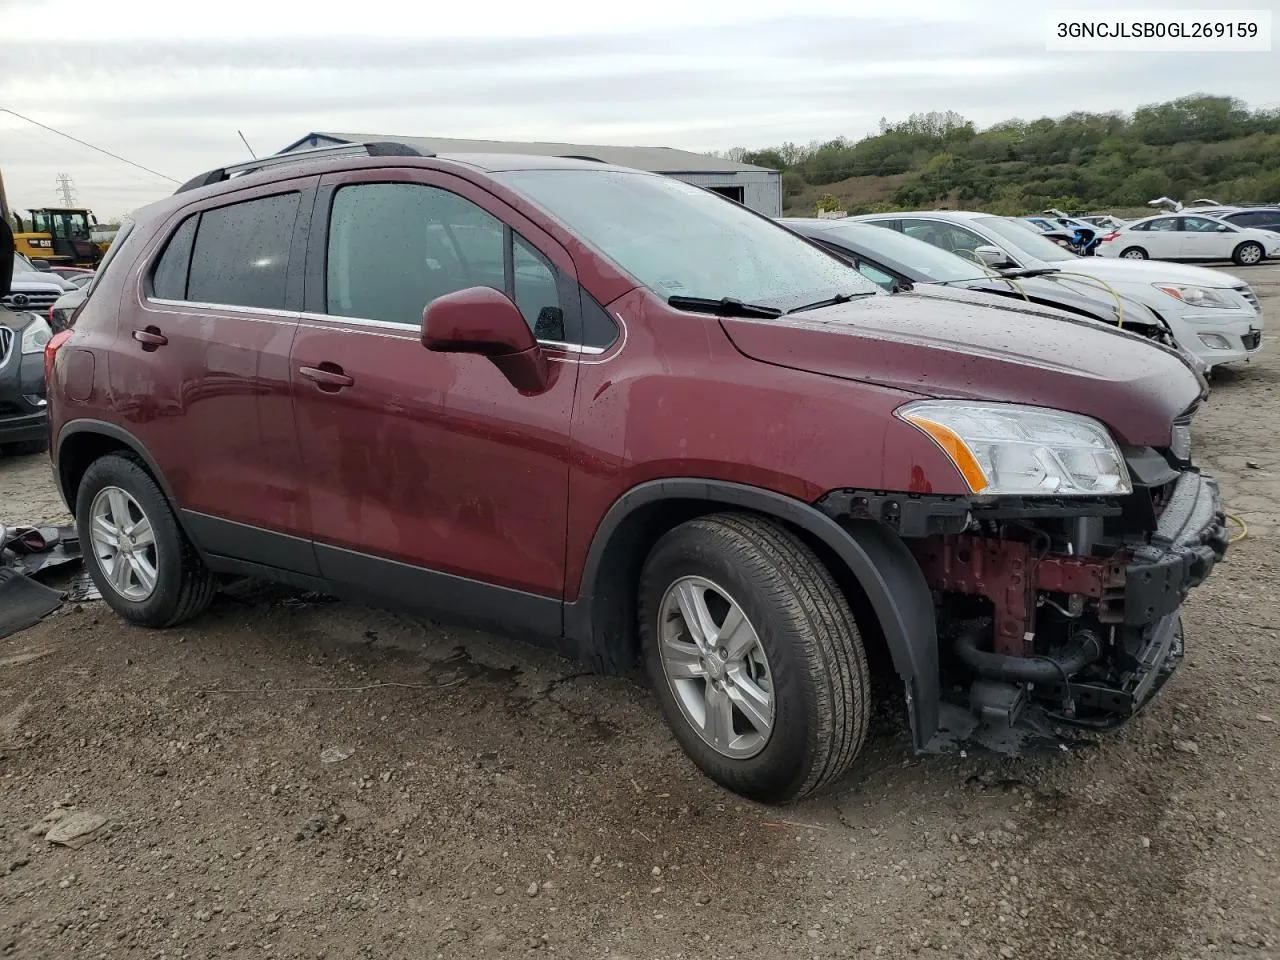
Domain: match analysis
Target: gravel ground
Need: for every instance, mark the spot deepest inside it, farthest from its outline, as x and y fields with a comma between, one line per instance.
x=291, y=779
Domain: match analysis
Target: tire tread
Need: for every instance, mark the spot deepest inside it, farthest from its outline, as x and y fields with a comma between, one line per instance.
x=805, y=594
x=196, y=584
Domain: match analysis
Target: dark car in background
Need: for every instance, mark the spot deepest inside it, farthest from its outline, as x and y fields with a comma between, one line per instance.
x=1260, y=218
x=23, y=421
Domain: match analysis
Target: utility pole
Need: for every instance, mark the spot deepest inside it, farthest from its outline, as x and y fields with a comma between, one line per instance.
x=66, y=189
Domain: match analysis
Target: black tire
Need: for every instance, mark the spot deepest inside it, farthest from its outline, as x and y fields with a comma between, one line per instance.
x=1133, y=253
x=1248, y=254
x=807, y=630
x=184, y=587
x=24, y=448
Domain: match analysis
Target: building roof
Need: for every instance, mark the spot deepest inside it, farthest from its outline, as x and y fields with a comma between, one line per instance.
x=653, y=159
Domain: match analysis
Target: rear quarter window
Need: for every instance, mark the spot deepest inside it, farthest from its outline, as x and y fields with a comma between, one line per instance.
x=169, y=279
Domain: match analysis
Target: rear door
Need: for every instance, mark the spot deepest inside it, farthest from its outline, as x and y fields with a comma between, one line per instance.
x=200, y=373
x=432, y=479
x=1205, y=239
x=1161, y=238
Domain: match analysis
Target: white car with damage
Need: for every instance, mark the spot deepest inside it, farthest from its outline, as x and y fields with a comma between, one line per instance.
x=1210, y=313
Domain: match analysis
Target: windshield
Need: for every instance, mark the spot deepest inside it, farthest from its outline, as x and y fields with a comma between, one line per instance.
x=681, y=241
x=927, y=263
x=1024, y=240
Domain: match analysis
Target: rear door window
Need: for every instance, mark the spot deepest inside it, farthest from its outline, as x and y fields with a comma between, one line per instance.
x=1201, y=225
x=241, y=253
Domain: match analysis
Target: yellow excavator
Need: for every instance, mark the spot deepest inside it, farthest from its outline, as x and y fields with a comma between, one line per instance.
x=61, y=236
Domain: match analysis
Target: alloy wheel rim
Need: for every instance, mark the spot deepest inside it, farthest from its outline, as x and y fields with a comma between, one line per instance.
x=124, y=544
x=1250, y=255
x=716, y=667
x=1132, y=255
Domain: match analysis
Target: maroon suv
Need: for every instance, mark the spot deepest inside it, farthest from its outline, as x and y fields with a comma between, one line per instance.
x=634, y=420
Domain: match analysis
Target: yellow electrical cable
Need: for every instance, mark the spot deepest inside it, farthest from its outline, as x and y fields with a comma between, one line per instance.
x=1102, y=283
x=1244, y=529
x=997, y=275
x=993, y=274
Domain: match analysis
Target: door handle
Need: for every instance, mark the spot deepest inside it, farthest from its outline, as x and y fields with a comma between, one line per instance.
x=327, y=376
x=150, y=337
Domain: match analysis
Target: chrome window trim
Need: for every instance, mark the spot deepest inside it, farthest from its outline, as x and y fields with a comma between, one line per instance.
x=336, y=318
x=225, y=307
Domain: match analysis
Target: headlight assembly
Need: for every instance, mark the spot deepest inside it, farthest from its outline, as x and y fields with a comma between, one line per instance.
x=1197, y=296
x=35, y=335
x=1006, y=449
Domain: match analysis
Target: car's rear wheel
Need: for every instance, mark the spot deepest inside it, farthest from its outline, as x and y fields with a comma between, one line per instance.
x=135, y=552
x=754, y=656
x=1249, y=253
x=1133, y=253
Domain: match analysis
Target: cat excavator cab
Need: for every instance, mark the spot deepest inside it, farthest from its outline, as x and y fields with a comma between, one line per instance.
x=58, y=235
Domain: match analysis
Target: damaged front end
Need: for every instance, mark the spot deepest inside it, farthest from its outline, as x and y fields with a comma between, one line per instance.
x=1054, y=613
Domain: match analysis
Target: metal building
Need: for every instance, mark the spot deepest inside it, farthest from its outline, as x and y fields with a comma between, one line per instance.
x=756, y=187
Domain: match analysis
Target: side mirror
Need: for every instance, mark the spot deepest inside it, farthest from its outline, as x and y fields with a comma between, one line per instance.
x=41, y=265
x=992, y=256
x=484, y=321
x=7, y=251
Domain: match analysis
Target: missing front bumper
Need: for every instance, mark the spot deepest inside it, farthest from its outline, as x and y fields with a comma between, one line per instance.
x=1014, y=721
x=1134, y=598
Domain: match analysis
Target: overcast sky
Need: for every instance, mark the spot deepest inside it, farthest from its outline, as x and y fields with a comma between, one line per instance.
x=168, y=85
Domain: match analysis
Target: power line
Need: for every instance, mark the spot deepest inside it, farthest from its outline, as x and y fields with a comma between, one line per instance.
x=84, y=143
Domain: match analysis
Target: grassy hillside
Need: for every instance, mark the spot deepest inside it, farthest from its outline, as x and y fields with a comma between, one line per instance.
x=1196, y=146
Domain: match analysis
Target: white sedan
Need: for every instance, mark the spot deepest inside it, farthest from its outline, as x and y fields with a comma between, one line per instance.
x=1184, y=236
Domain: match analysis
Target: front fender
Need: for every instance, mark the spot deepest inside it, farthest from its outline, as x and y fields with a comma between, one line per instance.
x=879, y=560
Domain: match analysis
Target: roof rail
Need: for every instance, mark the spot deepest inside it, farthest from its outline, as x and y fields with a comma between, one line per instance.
x=578, y=156
x=378, y=148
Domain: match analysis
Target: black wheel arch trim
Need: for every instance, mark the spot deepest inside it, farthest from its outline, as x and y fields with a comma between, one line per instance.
x=102, y=428
x=879, y=560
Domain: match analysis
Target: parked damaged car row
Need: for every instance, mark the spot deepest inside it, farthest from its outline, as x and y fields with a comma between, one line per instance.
x=619, y=415
x=1210, y=314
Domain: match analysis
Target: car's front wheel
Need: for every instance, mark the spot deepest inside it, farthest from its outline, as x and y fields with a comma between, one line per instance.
x=137, y=555
x=754, y=656
x=1133, y=253
x=1249, y=253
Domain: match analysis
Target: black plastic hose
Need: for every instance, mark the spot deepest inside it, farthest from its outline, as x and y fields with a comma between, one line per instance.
x=1084, y=647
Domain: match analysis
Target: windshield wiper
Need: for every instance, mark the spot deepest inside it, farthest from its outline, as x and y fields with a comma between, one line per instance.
x=831, y=302
x=724, y=307
x=1030, y=272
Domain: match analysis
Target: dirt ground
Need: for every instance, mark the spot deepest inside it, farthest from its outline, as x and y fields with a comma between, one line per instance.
x=290, y=779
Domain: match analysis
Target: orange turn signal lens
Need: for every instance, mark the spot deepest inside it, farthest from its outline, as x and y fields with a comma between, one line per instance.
x=955, y=448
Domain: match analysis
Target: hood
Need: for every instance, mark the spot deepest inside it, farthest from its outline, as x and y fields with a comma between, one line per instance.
x=1150, y=271
x=1073, y=296
x=947, y=347
x=17, y=320
x=35, y=283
